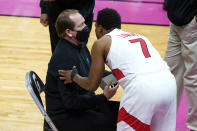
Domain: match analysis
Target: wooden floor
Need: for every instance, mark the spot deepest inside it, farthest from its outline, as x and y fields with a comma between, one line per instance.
x=24, y=46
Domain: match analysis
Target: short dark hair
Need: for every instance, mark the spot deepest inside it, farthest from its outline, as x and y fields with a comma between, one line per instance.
x=109, y=19
x=64, y=22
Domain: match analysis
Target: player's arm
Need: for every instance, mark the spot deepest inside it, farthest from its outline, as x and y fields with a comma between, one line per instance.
x=96, y=70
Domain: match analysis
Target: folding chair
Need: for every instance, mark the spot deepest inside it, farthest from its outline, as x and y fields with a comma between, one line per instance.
x=35, y=87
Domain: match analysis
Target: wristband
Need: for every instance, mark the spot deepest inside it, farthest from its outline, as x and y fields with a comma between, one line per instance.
x=73, y=73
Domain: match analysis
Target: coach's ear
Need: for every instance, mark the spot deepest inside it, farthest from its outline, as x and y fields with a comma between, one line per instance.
x=68, y=33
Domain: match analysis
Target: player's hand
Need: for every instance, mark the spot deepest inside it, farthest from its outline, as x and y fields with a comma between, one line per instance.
x=65, y=75
x=44, y=19
x=109, y=91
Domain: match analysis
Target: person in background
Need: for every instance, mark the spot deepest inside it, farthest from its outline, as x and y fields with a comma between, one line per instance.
x=181, y=53
x=50, y=9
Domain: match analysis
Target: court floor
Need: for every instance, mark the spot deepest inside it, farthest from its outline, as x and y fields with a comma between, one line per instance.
x=25, y=45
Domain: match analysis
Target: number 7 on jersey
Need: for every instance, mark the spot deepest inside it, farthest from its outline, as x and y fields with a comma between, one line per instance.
x=143, y=46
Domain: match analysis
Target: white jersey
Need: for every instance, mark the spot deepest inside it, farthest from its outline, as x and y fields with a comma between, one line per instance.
x=149, y=98
x=131, y=55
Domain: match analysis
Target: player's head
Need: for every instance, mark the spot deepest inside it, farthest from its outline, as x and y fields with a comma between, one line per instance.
x=70, y=24
x=107, y=20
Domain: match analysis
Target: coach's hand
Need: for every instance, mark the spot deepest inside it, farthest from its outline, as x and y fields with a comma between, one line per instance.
x=65, y=75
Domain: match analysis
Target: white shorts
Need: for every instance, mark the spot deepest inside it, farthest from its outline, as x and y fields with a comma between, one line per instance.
x=149, y=103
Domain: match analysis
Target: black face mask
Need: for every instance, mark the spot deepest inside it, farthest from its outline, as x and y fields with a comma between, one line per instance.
x=83, y=35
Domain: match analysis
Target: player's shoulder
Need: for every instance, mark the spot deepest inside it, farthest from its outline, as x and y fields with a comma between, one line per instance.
x=103, y=40
x=102, y=43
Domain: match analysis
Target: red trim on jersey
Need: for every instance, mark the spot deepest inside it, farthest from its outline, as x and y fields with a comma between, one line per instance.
x=132, y=121
x=118, y=74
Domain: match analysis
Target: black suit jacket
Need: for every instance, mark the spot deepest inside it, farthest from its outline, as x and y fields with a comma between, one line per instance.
x=63, y=100
x=71, y=107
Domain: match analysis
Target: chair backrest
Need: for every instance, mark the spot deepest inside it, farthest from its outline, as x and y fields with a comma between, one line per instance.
x=35, y=86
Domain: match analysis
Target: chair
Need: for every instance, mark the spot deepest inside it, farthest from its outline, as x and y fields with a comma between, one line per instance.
x=35, y=87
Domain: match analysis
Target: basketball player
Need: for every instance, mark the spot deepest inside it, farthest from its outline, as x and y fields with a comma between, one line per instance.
x=149, y=98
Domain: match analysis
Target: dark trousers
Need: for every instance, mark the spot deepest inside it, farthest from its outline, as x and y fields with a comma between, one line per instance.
x=53, y=10
x=101, y=118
